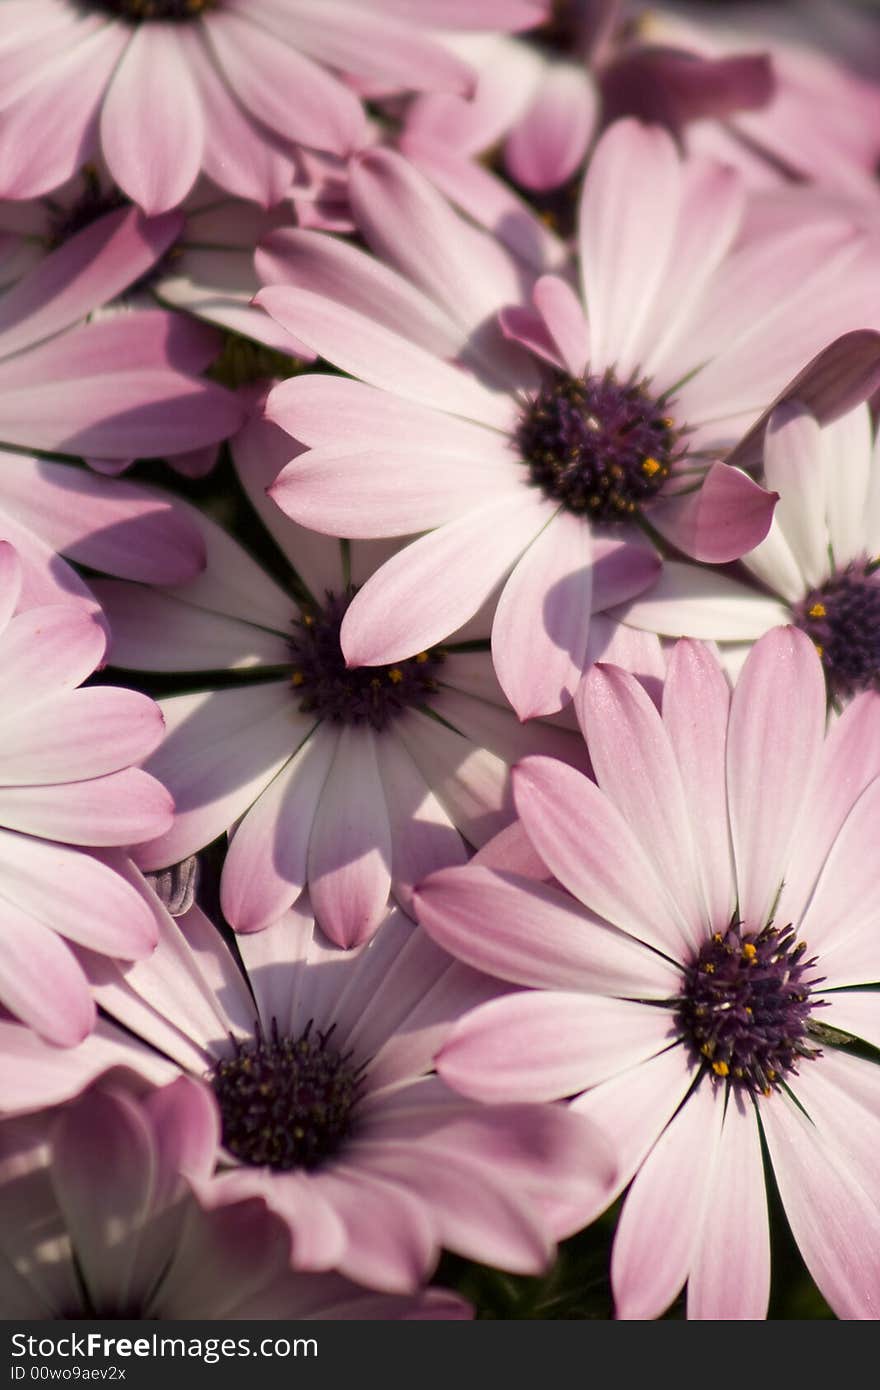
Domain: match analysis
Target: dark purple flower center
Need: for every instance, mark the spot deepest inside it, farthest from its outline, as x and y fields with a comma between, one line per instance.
x=287, y=1102
x=602, y=449
x=364, y=695
x=745, y=1004
x=842, y=618
x=135, y=11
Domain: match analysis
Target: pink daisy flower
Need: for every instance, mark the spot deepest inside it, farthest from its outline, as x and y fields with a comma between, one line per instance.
x=355, y=782
x=317, y=1064
x=527, y=475
x=816, y=568
x=167, y=88
x=696, y=984
x=97, y=1221
x=66, y=780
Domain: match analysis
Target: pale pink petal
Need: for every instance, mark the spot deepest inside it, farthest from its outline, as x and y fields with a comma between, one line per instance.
x=92, y=267
x=794, y=467
x=41, y=1073
x=220, y=750
x=152, y=126
x=119, y=527
x=390, y=1235
x=561, y=310
x=687, y=601
x=283, y=89
x=98, y=908
x=391, y=491
x=659, y=1226
x=628, y=217
x=838, y=918
x=433, y=586
x=727, y=515
x=531, y=934
x=588, y=845
x=547, y=145
x=265, y=866
x=119, y=809
x=76, y=734
x=777, y=723
x=623, y=565
x=41, y=982
x=855, y=1011
x=635, y=766
x=696, y=706
x=539, y=635
x=186, y=1132
x=349, y=858
x=848, y=445
x=546, y=1045
x=834, y=1220
x=729, y=1277
x=508, y=16
x=471, y=783
x=383, y=358
x=640, y=653
x=423, y=837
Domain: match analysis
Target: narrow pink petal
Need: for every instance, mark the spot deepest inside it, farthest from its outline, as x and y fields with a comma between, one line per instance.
x=777, y=723
x=77, y=734
x=119, y=527
x=834, y=1220
x=635, y=766
x=433, y=586
x=839, y=909
x=98, y=908
x=561, y=310
x=265, y=866
x=531, y=934
x=423, y=837
x=41, y=982
x=548, y=1045
x=508, y=16
x=726, y=516
x=118, y=809
x=185, y=1122
x=696, y=706
x=152, y=127
x=690, y=601
x=349, y=860
x=392, y=491
x=848, y=448
x=588, y=845
x=283, y=89
x=220, y=750
x=381, y=357
x=539, y=634
x=628, y=216
x=794, y=468
x=92, y=267
x=44, y=1073
x=391, y=1241
x=471, y=783
x=659, y=1227
x=106, y=1133
x=548, y=144
x=640, y=653
x=730, y=1274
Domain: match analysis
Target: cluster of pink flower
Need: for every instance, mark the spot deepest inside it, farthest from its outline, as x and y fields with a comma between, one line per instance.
x=530, y=703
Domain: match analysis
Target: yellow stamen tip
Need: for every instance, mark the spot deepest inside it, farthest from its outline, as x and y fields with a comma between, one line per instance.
x=818, y=610
x=720, y=1068
x=750, y=952
x=421, y=657
x=395, y=675
x=651, y=466
x=297, y=678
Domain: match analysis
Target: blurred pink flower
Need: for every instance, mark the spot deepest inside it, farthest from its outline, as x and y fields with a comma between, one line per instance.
x=66, y=780
x=356, y=782
x=530, y=473
x=317, y=1065
x=97, y=1221
x=172, y=87
x=716, y=944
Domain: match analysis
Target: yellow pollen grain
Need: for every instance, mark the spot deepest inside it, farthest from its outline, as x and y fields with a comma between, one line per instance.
x=720, y=1068
x=650, y=466
x=818, y=610
x=709, y=968
x=750, y=952
x=297, y=678
x=395, y=675
x=421, y=657
x=308, y=620
x=820, y=650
